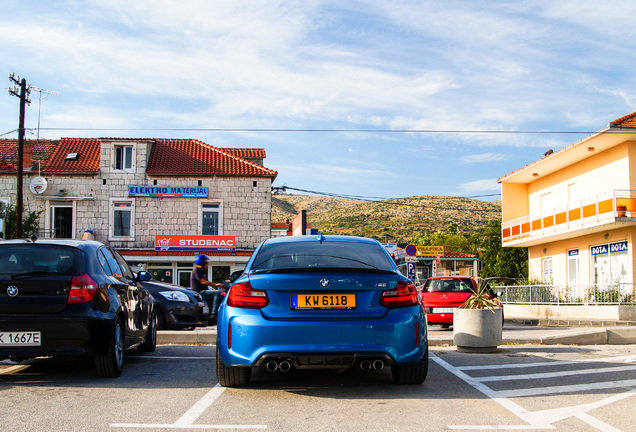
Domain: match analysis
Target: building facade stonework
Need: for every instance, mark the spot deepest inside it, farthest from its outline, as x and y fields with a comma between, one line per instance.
x=88, y=188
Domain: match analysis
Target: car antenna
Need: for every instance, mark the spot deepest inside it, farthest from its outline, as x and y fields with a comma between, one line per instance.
x=321, y=238
x=33, y=237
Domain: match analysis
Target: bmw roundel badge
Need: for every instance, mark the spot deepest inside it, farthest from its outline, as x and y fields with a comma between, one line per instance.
x=324, y=283
x=12, y=291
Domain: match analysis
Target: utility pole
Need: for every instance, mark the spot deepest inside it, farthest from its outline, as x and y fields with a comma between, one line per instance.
x=24, y=99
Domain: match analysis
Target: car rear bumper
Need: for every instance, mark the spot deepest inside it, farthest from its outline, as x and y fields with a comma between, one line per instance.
x=445, y=318
x=59, y=336
x=247, y=339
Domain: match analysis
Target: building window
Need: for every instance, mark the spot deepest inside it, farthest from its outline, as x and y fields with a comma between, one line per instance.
x=4, y=203
x=61, y=219
x=610, y=263
x=122, y=220
x=211, y=218
x=123, y=157
x=547, y=270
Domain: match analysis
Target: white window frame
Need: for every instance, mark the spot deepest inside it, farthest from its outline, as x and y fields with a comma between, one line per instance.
x=6, y=202
x=49, y=224
x=200, y=214
x=111, y=219
x=547, y=268
x=133, y=161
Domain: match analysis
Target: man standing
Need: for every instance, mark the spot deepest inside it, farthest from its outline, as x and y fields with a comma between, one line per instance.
x=199, y=282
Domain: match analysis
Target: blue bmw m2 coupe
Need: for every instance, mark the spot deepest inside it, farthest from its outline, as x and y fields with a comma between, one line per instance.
x=321, y=302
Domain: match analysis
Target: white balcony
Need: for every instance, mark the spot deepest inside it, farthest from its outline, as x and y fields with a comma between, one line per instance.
x=573, y=219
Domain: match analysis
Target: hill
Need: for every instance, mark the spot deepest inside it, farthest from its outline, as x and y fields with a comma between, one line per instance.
x=396, y=220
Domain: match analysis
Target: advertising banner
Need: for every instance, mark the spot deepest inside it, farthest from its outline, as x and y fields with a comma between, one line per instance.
x=195, y=243
x=167, y=191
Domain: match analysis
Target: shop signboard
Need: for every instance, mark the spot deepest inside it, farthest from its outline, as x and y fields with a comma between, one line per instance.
x=430, y=251
x=195, y=243
x=167, y=191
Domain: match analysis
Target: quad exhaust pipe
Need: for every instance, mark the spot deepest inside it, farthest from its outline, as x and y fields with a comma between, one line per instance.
x=283, y=366
x=366, y=365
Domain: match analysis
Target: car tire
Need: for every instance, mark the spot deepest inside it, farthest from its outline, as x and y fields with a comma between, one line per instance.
x=231, y=376
x=411, y=374
x=111, y=363
x=150, y=342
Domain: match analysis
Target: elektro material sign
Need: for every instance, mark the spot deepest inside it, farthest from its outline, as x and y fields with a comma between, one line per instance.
x=167, y=191
x=195, y=243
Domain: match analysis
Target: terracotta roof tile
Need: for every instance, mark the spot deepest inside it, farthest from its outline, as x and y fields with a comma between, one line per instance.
x=42, y=149
x=626, y=121
x=247, y=153
x=193, y=157
x=87, y=161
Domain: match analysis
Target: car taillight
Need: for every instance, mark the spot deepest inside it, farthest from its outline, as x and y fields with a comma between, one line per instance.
x=83, y=289
x=242, y=295
x=403, y=295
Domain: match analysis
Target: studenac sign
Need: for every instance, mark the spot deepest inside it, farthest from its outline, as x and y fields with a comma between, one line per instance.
x=195, y=243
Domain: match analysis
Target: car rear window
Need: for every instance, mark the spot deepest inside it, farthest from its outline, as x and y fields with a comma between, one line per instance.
x=38, y=258
x=325, y=255
x=448, y=285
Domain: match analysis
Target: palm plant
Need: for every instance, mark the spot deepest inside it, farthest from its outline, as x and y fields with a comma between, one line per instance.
x=482, y=297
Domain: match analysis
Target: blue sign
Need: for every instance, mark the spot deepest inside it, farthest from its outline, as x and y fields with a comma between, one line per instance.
x=609, y=248
x=167, y=191
x=573, y=252
x=618, y=247
x=410, y=270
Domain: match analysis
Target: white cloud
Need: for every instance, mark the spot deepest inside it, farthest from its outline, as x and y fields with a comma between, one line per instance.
x=479, y=186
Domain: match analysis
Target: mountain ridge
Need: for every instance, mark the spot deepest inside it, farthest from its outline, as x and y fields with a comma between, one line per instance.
x=395, y=220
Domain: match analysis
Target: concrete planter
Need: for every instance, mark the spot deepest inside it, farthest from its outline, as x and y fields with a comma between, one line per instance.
x=477, y=330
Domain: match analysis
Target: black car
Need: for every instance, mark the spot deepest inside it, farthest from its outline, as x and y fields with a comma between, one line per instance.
x=72, y=297
x=177, y=308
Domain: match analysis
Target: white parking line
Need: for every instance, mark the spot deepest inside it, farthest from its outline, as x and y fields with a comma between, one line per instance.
x=626, y=359
x=555, y=374
x=546, y=418
x=186, y=421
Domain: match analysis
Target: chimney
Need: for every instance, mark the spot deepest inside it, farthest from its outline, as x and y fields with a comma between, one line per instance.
x=27, y=155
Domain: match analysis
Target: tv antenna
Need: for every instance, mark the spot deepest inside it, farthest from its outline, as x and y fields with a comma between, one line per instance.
x=46, y=93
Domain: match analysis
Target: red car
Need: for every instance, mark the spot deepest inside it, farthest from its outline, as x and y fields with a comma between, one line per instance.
x=442, y=294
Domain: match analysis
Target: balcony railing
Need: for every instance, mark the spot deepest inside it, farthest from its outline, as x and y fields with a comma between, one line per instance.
x=616, y=294
x=599, y=209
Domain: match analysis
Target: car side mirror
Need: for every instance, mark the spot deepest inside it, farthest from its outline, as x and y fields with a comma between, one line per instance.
x=144, y=276
x=235, y=275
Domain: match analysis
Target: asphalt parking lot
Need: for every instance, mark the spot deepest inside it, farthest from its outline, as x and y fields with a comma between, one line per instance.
x=521, y=387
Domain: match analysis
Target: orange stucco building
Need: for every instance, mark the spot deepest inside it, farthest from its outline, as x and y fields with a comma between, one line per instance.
x=575, y=210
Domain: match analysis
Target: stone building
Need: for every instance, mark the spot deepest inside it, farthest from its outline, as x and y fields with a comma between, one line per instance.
x=160, y=202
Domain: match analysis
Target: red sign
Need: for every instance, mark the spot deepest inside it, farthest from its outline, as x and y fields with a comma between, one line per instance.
x=194, y=243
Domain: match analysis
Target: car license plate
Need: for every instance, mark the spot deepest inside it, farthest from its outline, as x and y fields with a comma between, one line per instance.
x=323, y=301
x=443, y=310
x=205, y=310
x=20, y=339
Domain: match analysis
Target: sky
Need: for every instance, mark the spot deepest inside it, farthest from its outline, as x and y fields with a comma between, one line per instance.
x=373, y=98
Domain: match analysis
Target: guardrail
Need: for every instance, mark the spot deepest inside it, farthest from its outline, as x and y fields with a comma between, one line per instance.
x=616, y=294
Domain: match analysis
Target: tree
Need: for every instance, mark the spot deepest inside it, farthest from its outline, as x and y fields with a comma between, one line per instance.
x=501, y=261
x=30, y=221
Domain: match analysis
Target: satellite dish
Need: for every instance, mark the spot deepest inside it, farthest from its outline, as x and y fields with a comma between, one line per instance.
x=38, y=185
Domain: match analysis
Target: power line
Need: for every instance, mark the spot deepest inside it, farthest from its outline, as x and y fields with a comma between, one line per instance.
x=383, y=131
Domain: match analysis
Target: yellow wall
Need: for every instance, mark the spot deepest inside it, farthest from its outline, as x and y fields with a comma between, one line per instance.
x=514, y=199
x=558, y=252
x=598, y=174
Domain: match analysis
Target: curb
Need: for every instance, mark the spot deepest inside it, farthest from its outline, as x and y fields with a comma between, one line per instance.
x=602, y=336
